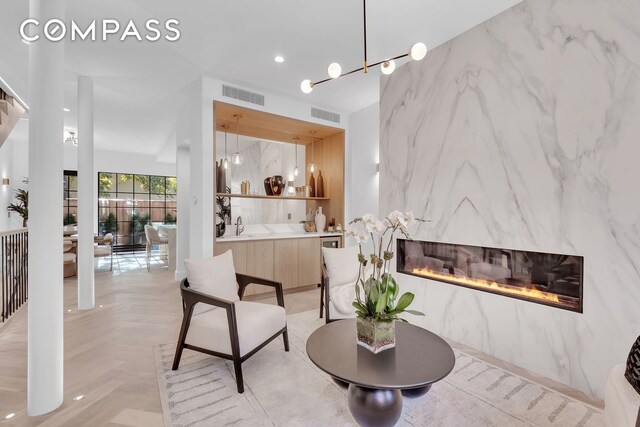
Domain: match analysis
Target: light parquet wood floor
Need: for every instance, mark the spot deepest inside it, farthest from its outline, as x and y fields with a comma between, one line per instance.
x=109, y=351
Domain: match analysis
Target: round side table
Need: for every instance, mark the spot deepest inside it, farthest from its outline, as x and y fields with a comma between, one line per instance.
x=378, y=381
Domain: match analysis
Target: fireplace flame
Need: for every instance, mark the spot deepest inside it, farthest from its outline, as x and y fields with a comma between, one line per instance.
x=527, y=292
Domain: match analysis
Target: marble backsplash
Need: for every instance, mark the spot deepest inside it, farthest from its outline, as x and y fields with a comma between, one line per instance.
x=524, y=132
x=262, y=158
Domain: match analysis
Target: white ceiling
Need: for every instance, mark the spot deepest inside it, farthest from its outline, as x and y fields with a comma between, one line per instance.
x=138, y=84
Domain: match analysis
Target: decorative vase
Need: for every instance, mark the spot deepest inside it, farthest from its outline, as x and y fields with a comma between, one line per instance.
x=312, y=184
x=220, y=229
x=376, y=335
x=277, y=185
x=219, y=187
x=267, y=186
x=320, y=185
x=320, y=220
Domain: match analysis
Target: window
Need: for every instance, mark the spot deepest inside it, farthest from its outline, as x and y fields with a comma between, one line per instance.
x=128, y=202
x=70, y=198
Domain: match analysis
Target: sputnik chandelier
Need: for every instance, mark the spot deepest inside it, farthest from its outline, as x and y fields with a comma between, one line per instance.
x=71, y=139
x=417, y=52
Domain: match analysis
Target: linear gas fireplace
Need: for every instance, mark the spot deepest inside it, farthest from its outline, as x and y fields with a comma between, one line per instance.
x=550, y=279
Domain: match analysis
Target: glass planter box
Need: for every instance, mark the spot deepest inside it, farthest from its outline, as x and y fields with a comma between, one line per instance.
x=376, y=335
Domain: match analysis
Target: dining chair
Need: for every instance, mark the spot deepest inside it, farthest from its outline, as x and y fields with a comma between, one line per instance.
x=105, y=249
x=153, y=238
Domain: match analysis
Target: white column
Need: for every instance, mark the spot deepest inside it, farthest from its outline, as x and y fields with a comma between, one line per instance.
x=86, y=202
x=184, y=196
x=202, y=184
x=45, y=312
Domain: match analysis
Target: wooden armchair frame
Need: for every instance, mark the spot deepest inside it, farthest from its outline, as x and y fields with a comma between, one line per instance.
x=191, y=297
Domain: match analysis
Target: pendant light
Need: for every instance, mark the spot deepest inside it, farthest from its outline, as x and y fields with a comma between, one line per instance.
x=312, y=166
x=417, y=52
x=225, y=162
x=236, y=159
x=295, y=171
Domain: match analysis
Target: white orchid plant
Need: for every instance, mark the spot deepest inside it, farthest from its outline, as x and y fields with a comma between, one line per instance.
x=376, y=295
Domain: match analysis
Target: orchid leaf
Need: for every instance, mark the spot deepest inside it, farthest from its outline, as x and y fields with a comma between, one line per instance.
x=414, y=312
x=382, y=302
x=405, y=301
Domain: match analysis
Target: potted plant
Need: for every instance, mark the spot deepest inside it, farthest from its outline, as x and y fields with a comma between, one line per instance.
x=377, y=304
x=22, y=207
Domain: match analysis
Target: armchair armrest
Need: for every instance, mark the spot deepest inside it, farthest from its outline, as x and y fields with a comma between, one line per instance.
x=245, y=280
x=191, y=297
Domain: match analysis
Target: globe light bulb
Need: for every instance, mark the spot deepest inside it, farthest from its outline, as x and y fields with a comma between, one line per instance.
x=334, y=70
x=418, y=51
x=236, y=159
x=225, y=163
x=306, y=86
x=295, y=171
x=388, y=67
x=312, y=167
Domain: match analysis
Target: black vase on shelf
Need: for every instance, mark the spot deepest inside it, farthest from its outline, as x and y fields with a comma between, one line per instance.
x=267, y=186
x=277, y=185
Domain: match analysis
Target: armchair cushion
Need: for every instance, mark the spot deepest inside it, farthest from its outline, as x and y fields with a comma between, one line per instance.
x=340, y=302
x=341, y=265
x=214, y=276
x=257, y=322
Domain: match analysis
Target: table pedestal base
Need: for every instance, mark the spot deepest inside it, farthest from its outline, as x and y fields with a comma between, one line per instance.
x=372, y=407
x=416, y=392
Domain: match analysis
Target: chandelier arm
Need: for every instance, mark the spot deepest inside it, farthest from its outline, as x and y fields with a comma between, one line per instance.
x=362, y=68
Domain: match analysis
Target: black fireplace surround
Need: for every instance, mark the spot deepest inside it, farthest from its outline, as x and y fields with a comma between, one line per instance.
x=544, y=278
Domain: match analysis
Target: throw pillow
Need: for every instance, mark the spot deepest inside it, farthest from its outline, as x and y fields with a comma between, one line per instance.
x=214, y=276
x=632, y=372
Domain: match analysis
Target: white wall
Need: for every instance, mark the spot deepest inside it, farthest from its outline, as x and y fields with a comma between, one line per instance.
x=363, y=141
x=14, y=164
x=523, y=133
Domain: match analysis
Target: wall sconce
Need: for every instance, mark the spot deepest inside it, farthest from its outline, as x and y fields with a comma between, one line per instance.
x=5, y=182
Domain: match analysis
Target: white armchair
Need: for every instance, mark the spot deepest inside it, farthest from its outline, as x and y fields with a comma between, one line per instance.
x=339, y=275
x=217, y=322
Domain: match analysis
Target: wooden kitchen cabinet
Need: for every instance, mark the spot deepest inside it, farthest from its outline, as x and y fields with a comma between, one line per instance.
x=260, y=263
x=293, y=262
x=239, y=250
x=286, y=262
x=308, y=262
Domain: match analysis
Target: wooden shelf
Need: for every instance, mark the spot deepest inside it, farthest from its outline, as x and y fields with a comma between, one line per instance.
x=262, y=196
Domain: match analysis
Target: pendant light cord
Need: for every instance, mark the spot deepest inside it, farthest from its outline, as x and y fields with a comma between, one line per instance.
x=237, y=137
x=364, y=14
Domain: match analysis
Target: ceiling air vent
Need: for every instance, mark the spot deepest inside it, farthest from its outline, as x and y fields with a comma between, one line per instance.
x=325, y=115
x=242, y=95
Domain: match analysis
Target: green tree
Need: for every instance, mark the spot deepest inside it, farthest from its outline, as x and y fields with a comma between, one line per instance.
x=152, y=183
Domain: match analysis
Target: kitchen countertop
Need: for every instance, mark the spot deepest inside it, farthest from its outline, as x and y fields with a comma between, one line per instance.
x=274, y=236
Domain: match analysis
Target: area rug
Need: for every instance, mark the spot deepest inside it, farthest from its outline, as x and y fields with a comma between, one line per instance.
x=286, y=389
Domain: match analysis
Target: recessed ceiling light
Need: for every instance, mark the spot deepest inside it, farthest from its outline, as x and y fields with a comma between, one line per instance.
x=69, y=311
x=100, y=306
x=79, y=397
x=9, y=416
x=66, y=110
x=279, y=59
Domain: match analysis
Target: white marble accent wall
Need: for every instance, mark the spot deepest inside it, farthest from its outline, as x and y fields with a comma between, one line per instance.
x=524, y=133
x=262, y=158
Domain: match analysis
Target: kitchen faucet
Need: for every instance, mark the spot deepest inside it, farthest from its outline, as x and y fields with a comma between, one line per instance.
x=239, y=229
